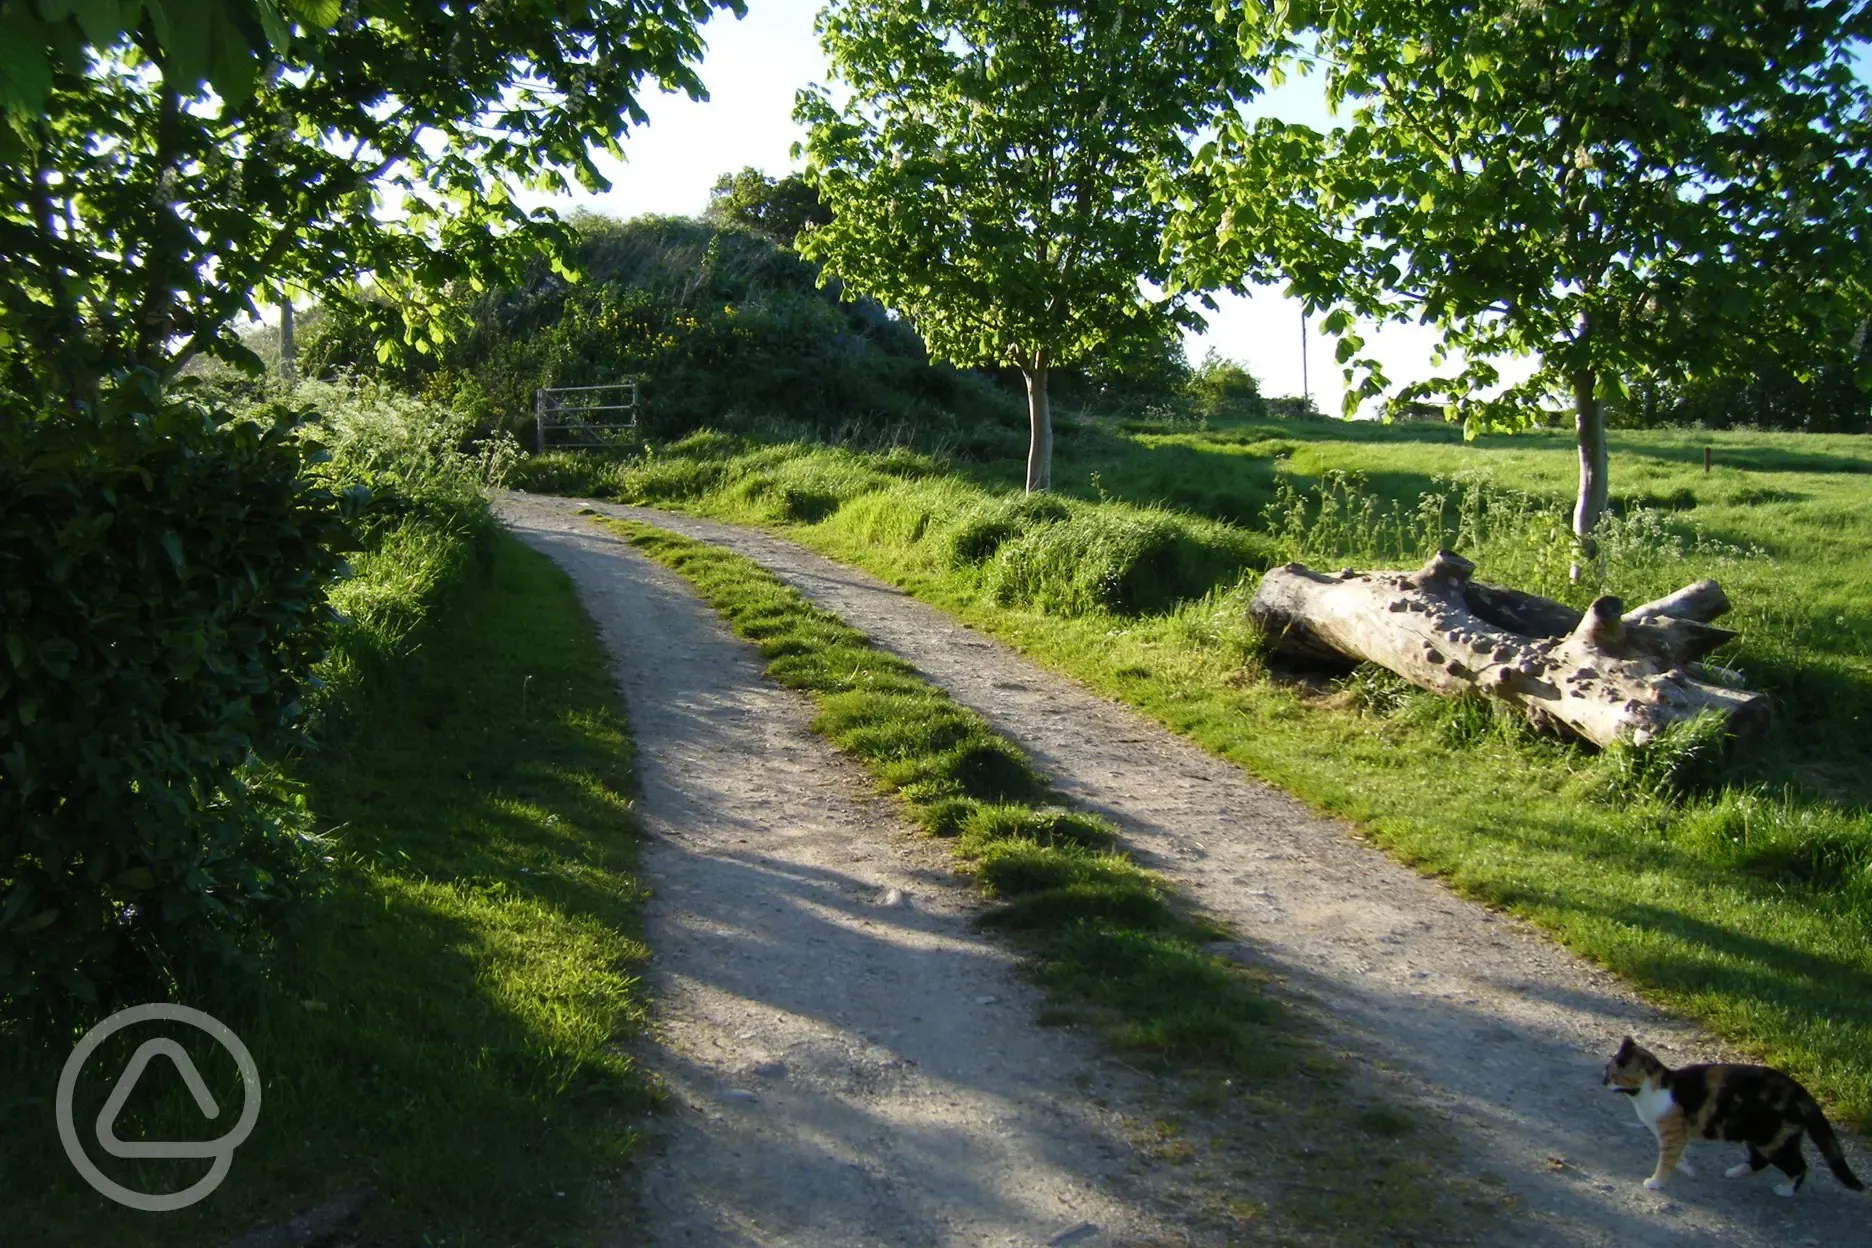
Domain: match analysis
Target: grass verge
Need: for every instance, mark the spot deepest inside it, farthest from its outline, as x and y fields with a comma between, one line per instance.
x=1111, y=945
x=448, y=1021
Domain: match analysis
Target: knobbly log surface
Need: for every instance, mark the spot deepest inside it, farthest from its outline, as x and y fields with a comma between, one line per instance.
x=1606, y=674
x=1676, y=628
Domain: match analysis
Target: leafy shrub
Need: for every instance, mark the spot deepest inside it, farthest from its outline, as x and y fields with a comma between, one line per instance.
x=163, y=573
x=1220, y=387
x=709, y=320
x=412, y=456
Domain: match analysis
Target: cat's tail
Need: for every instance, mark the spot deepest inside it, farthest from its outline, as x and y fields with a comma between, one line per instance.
x=1828, y=1144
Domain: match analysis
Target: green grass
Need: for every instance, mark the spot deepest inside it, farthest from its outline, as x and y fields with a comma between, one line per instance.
x=1746, y=902
x=451, y=1019
x=1114, y=949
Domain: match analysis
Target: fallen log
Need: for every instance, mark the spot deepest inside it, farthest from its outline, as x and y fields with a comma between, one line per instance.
x=1675, y=628
x=1606, y=674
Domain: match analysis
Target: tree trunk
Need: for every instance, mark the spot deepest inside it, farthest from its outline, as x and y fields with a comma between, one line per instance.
x=289, y=352
x=1040, y=427
x=1589, y=419
x=1612, y=676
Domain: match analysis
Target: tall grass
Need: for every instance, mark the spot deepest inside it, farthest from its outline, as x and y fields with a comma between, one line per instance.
x=1051, y=554
x=420, y=476
x=1520, y=538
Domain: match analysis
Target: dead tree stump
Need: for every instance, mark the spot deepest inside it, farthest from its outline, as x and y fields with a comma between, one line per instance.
x=1605, y=674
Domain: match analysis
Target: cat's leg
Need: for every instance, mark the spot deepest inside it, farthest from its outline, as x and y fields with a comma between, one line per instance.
x=1757, y=1160
x=1672, y=1135
x=1788, y=1158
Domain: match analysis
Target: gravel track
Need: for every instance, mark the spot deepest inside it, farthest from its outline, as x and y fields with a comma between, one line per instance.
x=1471, y=1017
x=850, y=1063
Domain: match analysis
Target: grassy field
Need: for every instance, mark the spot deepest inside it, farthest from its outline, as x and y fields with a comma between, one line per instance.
x=1739, y=890
x=449, y=1021
x=1114, y=949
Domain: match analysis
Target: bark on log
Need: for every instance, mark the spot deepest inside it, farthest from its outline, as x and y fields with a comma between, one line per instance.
x=1606, y=674
x=1675, y=628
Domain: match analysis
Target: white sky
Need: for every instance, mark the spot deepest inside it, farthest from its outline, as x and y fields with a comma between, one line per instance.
x=752, y=70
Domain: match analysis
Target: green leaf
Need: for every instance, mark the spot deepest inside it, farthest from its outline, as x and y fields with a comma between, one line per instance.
x=135, y=880
x=37, y=923
x=103, y=21
x=25, y=73
x=315, y=14
x=186, y=35
x=233, y=67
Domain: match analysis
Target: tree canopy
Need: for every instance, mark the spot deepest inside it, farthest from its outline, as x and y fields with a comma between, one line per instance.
x=990, y=175
x=775, y=208
x=1646, y=191
x=165, y=167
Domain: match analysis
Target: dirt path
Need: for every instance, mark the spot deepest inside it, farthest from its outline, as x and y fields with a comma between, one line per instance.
x=1471, y=1016
x=851, y=1064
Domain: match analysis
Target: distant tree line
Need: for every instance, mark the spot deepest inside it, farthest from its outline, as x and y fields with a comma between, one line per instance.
x=1771, y=397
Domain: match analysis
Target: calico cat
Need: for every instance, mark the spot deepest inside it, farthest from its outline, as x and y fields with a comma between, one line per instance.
x=1761, y=1107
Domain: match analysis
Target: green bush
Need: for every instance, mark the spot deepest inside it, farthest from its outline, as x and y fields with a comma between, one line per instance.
x=1222, y=388
x=163, y=574
x=412, y=457
x=708, y=320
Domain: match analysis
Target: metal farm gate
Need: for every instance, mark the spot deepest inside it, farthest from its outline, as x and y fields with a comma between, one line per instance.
x=585, y=419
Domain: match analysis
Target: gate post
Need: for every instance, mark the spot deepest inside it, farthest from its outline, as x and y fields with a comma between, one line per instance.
x=539, y=422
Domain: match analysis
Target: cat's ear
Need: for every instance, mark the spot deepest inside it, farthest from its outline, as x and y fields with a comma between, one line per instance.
x=1628, y=1045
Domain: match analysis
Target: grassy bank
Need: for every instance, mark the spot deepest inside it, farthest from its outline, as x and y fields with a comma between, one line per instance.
x=1741, y=893
x=1114, y=949
x=445, y=1021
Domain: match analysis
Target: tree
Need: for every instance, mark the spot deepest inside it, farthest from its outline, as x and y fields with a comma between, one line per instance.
x=164, y=565
x=1222, y=387
x=990, y=176
x=1650, y=190
x=1768, y=396
x=158, y=169
x=776, y=209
